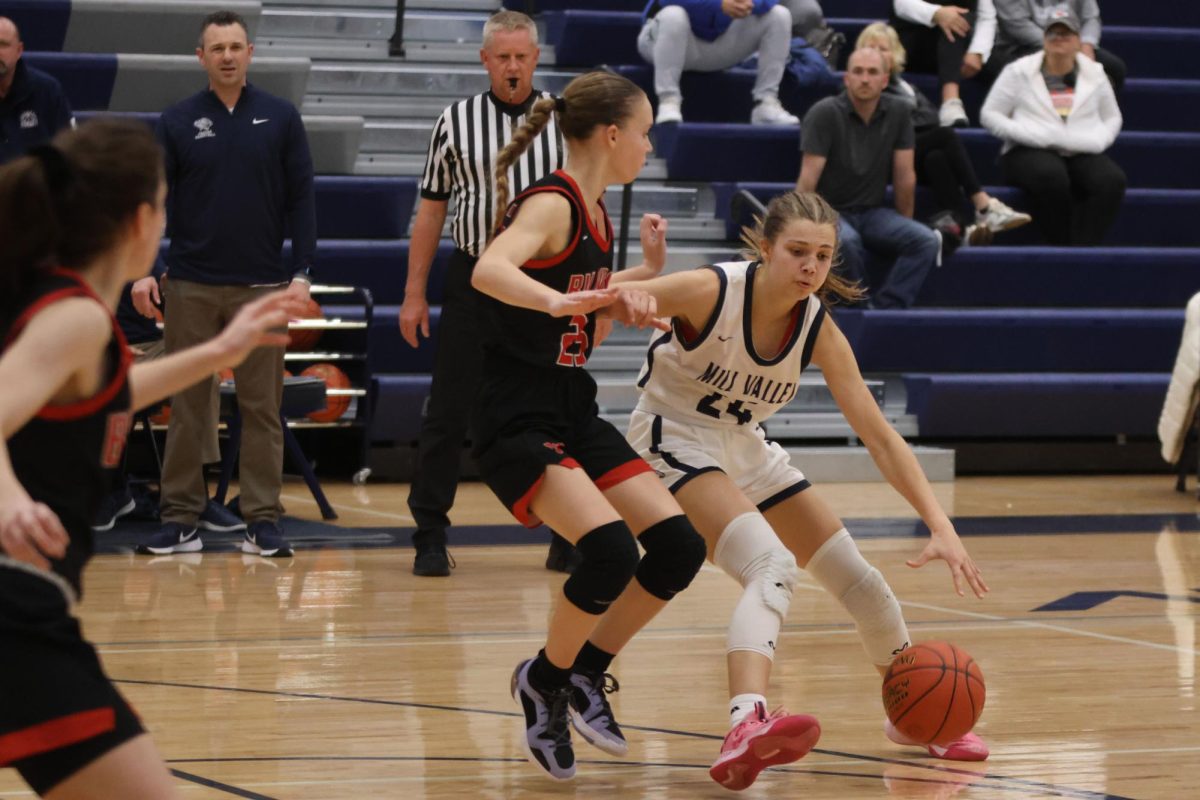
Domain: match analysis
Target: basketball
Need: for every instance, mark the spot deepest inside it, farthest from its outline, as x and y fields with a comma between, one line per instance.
x=306, y=338
x=163, y=415
x=933, y=692
x=334, y=378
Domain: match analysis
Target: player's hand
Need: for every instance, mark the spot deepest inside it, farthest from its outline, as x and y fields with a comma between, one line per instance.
x=414, y=315
x=30, y=531
x=948, y=547
x=300, y=290
x=262, y=323
x=146, y=296
x=971, y=64
x=737, y=8
x=952, y=20
x=635, y=308
x=653, y=232
x=574, y=303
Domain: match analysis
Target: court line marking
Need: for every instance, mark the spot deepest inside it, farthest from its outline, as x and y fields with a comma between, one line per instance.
x=218, y=785
x=1082, y=794
x=343, y=508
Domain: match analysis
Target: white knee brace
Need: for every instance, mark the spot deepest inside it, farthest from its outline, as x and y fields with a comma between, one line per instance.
x=861, y=589
x=750, y=551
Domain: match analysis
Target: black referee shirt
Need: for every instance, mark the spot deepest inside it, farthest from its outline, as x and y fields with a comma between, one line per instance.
x=462, y=153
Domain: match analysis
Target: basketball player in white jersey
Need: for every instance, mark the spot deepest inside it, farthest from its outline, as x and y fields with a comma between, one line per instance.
x=741, y=334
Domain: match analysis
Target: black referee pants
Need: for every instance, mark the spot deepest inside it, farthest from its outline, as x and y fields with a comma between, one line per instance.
x=457, y=361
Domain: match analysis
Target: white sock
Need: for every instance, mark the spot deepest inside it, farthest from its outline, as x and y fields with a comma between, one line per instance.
x=742, y=706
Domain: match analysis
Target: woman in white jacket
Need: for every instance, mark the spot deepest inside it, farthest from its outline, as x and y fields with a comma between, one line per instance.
x=1056, y=113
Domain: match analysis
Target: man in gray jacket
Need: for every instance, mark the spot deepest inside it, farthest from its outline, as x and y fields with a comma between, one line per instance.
x=1021, y=24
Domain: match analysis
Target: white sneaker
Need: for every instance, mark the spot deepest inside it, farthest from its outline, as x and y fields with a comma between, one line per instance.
x=669, y=110
x=977, y=235
x=999, y=217
x=769, y=111
x=953, y=115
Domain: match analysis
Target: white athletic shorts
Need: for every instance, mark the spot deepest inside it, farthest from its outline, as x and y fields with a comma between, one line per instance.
x=679, y=452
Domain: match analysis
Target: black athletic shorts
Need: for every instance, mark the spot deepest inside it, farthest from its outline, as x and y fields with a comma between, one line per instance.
x=58, y=710
x=527, y=418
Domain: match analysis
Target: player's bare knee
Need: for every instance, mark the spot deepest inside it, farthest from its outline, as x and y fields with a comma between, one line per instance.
x=610, y=558
x=674, y=554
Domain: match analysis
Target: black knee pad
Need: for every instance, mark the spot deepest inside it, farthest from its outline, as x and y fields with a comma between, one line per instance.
x=610, y=557
x=674, y=554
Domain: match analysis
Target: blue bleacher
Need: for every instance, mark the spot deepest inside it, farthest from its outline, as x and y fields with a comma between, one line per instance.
x=43, y=23
x=87, y=78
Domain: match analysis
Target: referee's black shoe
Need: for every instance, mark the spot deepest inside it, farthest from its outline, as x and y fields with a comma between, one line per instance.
x=432, y=561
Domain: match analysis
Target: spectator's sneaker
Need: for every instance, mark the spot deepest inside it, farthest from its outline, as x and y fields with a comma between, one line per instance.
x=592, y=716
x=953, y=115
x=173, y=538
x=433, y=561
x=999, y=217
x=114, y=506
x=670, y=110
x=759, y=741
x=217, y=517
x=977, y=235
x=968, y=748
x=562, y=555
x=264, y=538
x=547, y=738
x=769, y=111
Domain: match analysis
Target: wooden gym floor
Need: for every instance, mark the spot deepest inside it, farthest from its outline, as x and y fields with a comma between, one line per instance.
x=339, y=674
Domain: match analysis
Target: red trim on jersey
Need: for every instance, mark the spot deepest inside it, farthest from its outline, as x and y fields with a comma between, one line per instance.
x=604, y=242
x=630, y=469
x=89, y=405
x=791, y=329
x=55, y=733
x=521, y=509
x=39, y=304
x=545, y=263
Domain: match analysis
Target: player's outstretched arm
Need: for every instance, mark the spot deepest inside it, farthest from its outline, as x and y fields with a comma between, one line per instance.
x=261, y=323
x=539, y=230
x=893, y=456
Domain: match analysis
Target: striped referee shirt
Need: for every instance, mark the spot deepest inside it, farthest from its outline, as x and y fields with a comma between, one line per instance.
x=462, y=152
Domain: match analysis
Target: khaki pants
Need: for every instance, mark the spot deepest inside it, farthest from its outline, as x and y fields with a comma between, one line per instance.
x=197, y=312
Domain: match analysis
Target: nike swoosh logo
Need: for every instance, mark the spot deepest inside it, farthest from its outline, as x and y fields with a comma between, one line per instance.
x=260, y=121
x=724, y=338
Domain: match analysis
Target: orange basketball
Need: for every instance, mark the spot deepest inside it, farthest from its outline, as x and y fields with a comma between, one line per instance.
x=163, y=415
x=933, y=692
x=306, y=338
x=335, y=405
x=225, y=375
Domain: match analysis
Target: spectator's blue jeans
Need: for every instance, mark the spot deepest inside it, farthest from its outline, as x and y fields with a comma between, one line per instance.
x=888, y=233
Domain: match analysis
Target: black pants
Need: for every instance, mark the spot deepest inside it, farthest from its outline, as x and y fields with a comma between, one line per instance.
x=1003, y=55
x=1074, y=199
x=943, y=165
x=457, y=362
x=929, y=51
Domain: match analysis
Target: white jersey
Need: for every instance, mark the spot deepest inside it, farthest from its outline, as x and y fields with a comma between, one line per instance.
x=716, y=377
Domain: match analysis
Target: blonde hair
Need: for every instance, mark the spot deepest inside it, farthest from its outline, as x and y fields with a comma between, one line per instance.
x=509, y=21
x=782, y=211
x=592, y=99
x=881, y=30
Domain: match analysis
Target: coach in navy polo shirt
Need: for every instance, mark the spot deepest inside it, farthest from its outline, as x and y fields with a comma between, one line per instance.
x=238, y=173
x=32, y=105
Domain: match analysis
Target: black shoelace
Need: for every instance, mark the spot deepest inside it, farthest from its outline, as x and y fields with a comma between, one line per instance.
x=558, y=727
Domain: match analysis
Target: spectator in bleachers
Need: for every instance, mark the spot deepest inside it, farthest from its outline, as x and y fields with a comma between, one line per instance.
x=33, y=106
x=851, y=144
x=808, y=22
x=714, y=35
x=936, y=38
x=1021, y=24
x=238, y=172
x=461, y=165
x=1057, y=114
x=940, y=158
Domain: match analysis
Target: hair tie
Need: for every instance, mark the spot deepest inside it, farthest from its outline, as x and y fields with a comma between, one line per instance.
x=560, y=105
x=55, y=166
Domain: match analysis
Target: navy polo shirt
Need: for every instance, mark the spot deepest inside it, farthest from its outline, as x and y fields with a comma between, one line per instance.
x=34, y=109
x=237, y=181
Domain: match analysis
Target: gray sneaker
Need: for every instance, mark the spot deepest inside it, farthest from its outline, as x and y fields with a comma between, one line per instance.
x=1000, y=217
x=547, y=737
x=173, y=538
x=592, y=716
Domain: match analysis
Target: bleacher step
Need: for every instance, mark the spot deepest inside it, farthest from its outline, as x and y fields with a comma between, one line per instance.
x=409, y=79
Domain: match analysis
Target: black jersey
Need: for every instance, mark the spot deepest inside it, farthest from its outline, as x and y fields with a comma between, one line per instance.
x=535, y=337
x=62, y=455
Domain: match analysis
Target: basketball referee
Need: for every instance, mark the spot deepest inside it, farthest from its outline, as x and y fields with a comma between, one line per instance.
x=462, y=152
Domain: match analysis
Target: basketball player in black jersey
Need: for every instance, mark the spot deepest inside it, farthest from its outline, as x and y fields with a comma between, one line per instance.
x=79, y=218
x=541, y=445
